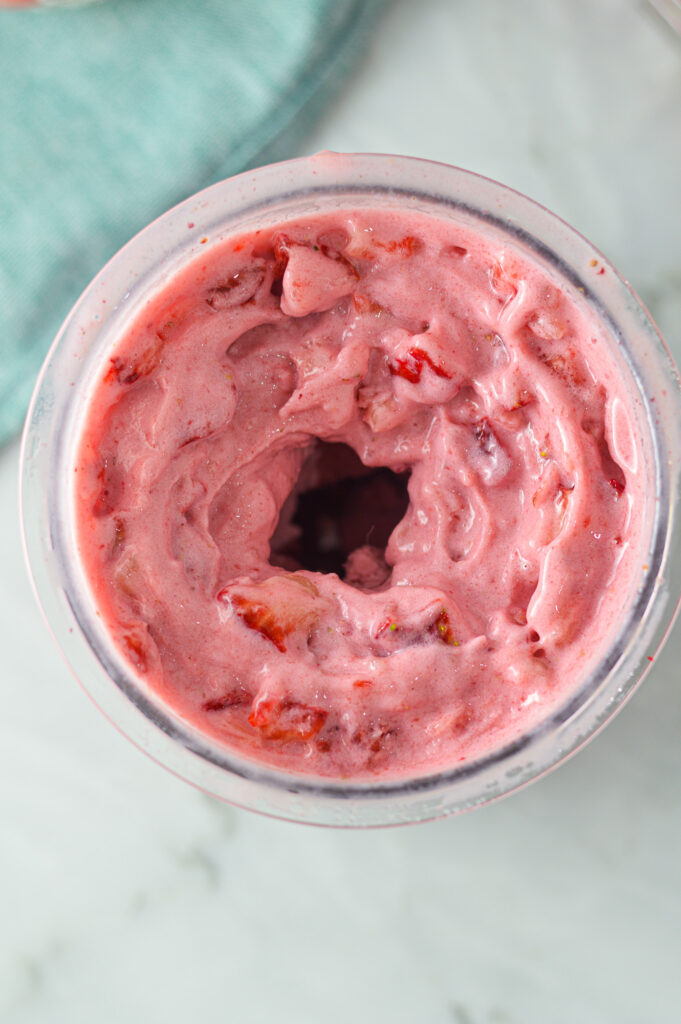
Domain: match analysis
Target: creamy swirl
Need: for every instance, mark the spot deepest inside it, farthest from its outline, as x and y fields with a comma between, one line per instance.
x=299, y=361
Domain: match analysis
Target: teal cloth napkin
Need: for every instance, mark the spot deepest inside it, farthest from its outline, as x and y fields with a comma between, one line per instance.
x=110, y=114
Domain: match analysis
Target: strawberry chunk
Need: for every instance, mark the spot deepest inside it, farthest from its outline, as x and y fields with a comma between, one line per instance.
x=364, y=304
x=119, y=535
x=280, y=607
x=260, y=618
x=128, y=370
x=287, y=721
x=232, y=699
x=375, y=736
x=237, y=290
x=111, y=489
x=441, y=628
x=405, y=247
x=411, y=366
x=136, y=650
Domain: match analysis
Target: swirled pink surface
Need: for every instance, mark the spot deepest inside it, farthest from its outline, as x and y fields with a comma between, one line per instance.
x=360, y=495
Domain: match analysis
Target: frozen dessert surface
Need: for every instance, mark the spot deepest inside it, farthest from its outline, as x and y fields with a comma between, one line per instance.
x=357, y=494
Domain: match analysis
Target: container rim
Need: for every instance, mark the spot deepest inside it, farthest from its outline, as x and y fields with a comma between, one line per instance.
x=48, y=437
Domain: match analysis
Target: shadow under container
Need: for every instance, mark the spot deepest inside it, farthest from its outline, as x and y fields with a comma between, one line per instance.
x=265, y=197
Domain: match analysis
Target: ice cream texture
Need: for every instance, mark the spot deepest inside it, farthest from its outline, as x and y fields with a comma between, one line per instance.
x=358, y=495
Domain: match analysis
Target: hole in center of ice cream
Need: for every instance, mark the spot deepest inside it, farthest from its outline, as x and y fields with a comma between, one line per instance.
x=339, y=516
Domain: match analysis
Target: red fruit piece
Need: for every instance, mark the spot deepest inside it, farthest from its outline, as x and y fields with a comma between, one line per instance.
x=286, y=720
x=406, y=246
x=365, y=304
x=442, y=629
x=112, y=487
x=128, y=370
x=260, y=618
x=374, y=735
x=237, y=290
x=119, y=535
x=282, y=248
x=233, y=699
x=286, y=605
x=136, y=651
x=568, y=369
x=411, y=367
x=282, y=606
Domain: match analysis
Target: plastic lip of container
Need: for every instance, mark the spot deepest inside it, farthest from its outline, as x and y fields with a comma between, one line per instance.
x=268, y=196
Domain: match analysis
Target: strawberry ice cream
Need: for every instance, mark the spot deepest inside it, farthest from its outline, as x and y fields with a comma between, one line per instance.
x=359, y=496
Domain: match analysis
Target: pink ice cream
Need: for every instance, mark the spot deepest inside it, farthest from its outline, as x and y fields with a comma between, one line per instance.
x=360, y=495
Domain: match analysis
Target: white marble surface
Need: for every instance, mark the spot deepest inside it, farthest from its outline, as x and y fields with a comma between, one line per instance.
x=125, y=895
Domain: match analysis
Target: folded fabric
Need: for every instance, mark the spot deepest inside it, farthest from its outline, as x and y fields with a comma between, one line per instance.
x=111, y=113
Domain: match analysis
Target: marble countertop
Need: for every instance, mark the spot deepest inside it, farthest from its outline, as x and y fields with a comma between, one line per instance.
x=126, y=895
